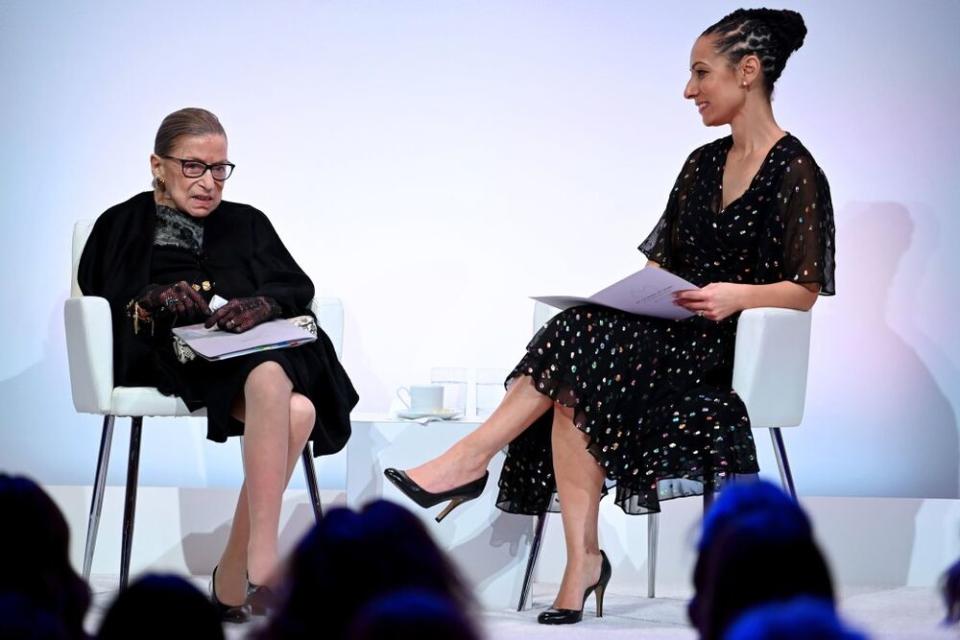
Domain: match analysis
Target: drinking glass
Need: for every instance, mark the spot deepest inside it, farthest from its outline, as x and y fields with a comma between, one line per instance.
x=490, y=390
x=454, y=383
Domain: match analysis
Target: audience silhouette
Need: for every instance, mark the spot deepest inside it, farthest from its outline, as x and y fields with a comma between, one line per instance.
x=798, y=619
x=36, y=563
x=950, y=588
x=411, y=614
x=161, y=607
x=352, y=558
x=757, y=547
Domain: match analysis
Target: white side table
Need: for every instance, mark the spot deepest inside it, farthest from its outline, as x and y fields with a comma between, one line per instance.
x=488, y=546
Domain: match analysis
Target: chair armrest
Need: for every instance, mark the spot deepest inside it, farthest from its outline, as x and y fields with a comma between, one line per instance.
x=770, y=364
x=89, y=329
x=329, y=312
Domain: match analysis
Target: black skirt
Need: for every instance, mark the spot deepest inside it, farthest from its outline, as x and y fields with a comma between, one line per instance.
x=313, y=369
x=653, y=398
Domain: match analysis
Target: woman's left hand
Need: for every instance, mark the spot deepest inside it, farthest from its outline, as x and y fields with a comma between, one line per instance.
x=716, y=301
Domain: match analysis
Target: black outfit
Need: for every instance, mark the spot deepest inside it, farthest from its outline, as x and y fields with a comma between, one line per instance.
x=653, y=395
x=237, y=253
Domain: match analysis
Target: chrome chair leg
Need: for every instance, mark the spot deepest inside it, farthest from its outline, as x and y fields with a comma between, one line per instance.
x=653, y=533
x=96, y=502
x=786, y=478
x=310, y=474
x=709, y=485
x=708, y=496
x=130, y=501
x=532, y=561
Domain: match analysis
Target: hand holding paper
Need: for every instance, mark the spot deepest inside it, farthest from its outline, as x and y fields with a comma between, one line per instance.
x=648, y=292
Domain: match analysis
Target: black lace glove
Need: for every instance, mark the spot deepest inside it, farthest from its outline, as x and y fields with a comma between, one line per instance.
x=241, y=314
x=178, y=298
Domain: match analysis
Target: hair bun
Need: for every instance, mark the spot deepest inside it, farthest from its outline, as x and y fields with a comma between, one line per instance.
x=787, y=26
x=770, y=34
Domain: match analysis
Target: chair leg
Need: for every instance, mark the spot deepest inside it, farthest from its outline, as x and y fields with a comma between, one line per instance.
x=709, y=484
x=653, y=533
x=130, y=501
x=532, y=561
x=96, y=502
x=786, y=478
x=311, y=476
x=708, y=496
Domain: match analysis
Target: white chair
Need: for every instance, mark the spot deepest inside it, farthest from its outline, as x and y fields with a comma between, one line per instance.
x=770, y=376
x=89, y=330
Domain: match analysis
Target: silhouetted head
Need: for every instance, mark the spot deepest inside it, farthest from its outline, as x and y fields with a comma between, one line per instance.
x=21, y=618
x=36, y=563
x=412, y=614
x=798, y=619
x=950, y=588
x=739, y=500
x=161, y=607
x=351, y=558
x=757, y=547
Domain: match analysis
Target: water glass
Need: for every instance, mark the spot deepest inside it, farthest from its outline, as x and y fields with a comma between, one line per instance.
x=454, y=383
x=490, y=390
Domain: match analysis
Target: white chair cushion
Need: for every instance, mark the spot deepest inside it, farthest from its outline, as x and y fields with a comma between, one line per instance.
x=147, y=401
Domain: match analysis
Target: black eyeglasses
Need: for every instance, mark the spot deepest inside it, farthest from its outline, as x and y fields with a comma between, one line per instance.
x=194, y=168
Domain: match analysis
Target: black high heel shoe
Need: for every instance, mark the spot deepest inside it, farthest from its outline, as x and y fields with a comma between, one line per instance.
x=424, y=498
x=572, y=616
x=228, y=612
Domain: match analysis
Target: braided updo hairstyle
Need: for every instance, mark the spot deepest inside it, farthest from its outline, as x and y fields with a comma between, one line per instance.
x=770, y=34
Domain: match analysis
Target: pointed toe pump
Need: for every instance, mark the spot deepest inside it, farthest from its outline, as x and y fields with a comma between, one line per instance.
x=424, y=498
x=228, y=612
x=572, y=616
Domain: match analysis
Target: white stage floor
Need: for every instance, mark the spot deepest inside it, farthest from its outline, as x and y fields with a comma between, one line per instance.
x=912, y=613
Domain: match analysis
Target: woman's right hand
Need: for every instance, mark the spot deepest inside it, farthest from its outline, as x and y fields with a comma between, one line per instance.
x=178, y=298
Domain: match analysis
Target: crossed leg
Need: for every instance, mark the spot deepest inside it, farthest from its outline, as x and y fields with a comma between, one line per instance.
x=578, y=474
x=468, y=458
x=277, y=424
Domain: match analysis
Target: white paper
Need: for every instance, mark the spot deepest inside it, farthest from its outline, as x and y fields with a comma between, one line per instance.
x=215, y=344
x=648, y=292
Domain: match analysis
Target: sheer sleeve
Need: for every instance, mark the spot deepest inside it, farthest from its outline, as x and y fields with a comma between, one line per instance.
x=799, y=244
x=277, y=274
x=659, y=245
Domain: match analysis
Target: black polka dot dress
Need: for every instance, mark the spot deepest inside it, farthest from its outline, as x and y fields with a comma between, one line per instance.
x=653, y=396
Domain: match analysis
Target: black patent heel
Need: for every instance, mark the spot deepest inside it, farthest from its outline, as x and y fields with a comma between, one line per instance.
x=572, y=616
x=228, y=612
x=424, y=498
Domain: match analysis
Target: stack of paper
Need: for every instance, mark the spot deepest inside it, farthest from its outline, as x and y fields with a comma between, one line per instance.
x=648, y=292
x=214, y=344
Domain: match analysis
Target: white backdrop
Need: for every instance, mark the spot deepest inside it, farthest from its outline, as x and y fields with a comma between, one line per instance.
x=434, y=163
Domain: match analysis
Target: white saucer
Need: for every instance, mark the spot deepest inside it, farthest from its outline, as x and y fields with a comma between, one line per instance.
x=439, y=414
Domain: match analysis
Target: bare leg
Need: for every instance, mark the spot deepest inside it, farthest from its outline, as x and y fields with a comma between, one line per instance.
x=233, y=566
x=468, y=458
x=579, y=482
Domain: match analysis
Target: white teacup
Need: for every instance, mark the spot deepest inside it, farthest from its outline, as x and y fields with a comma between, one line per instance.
x=422, y=398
